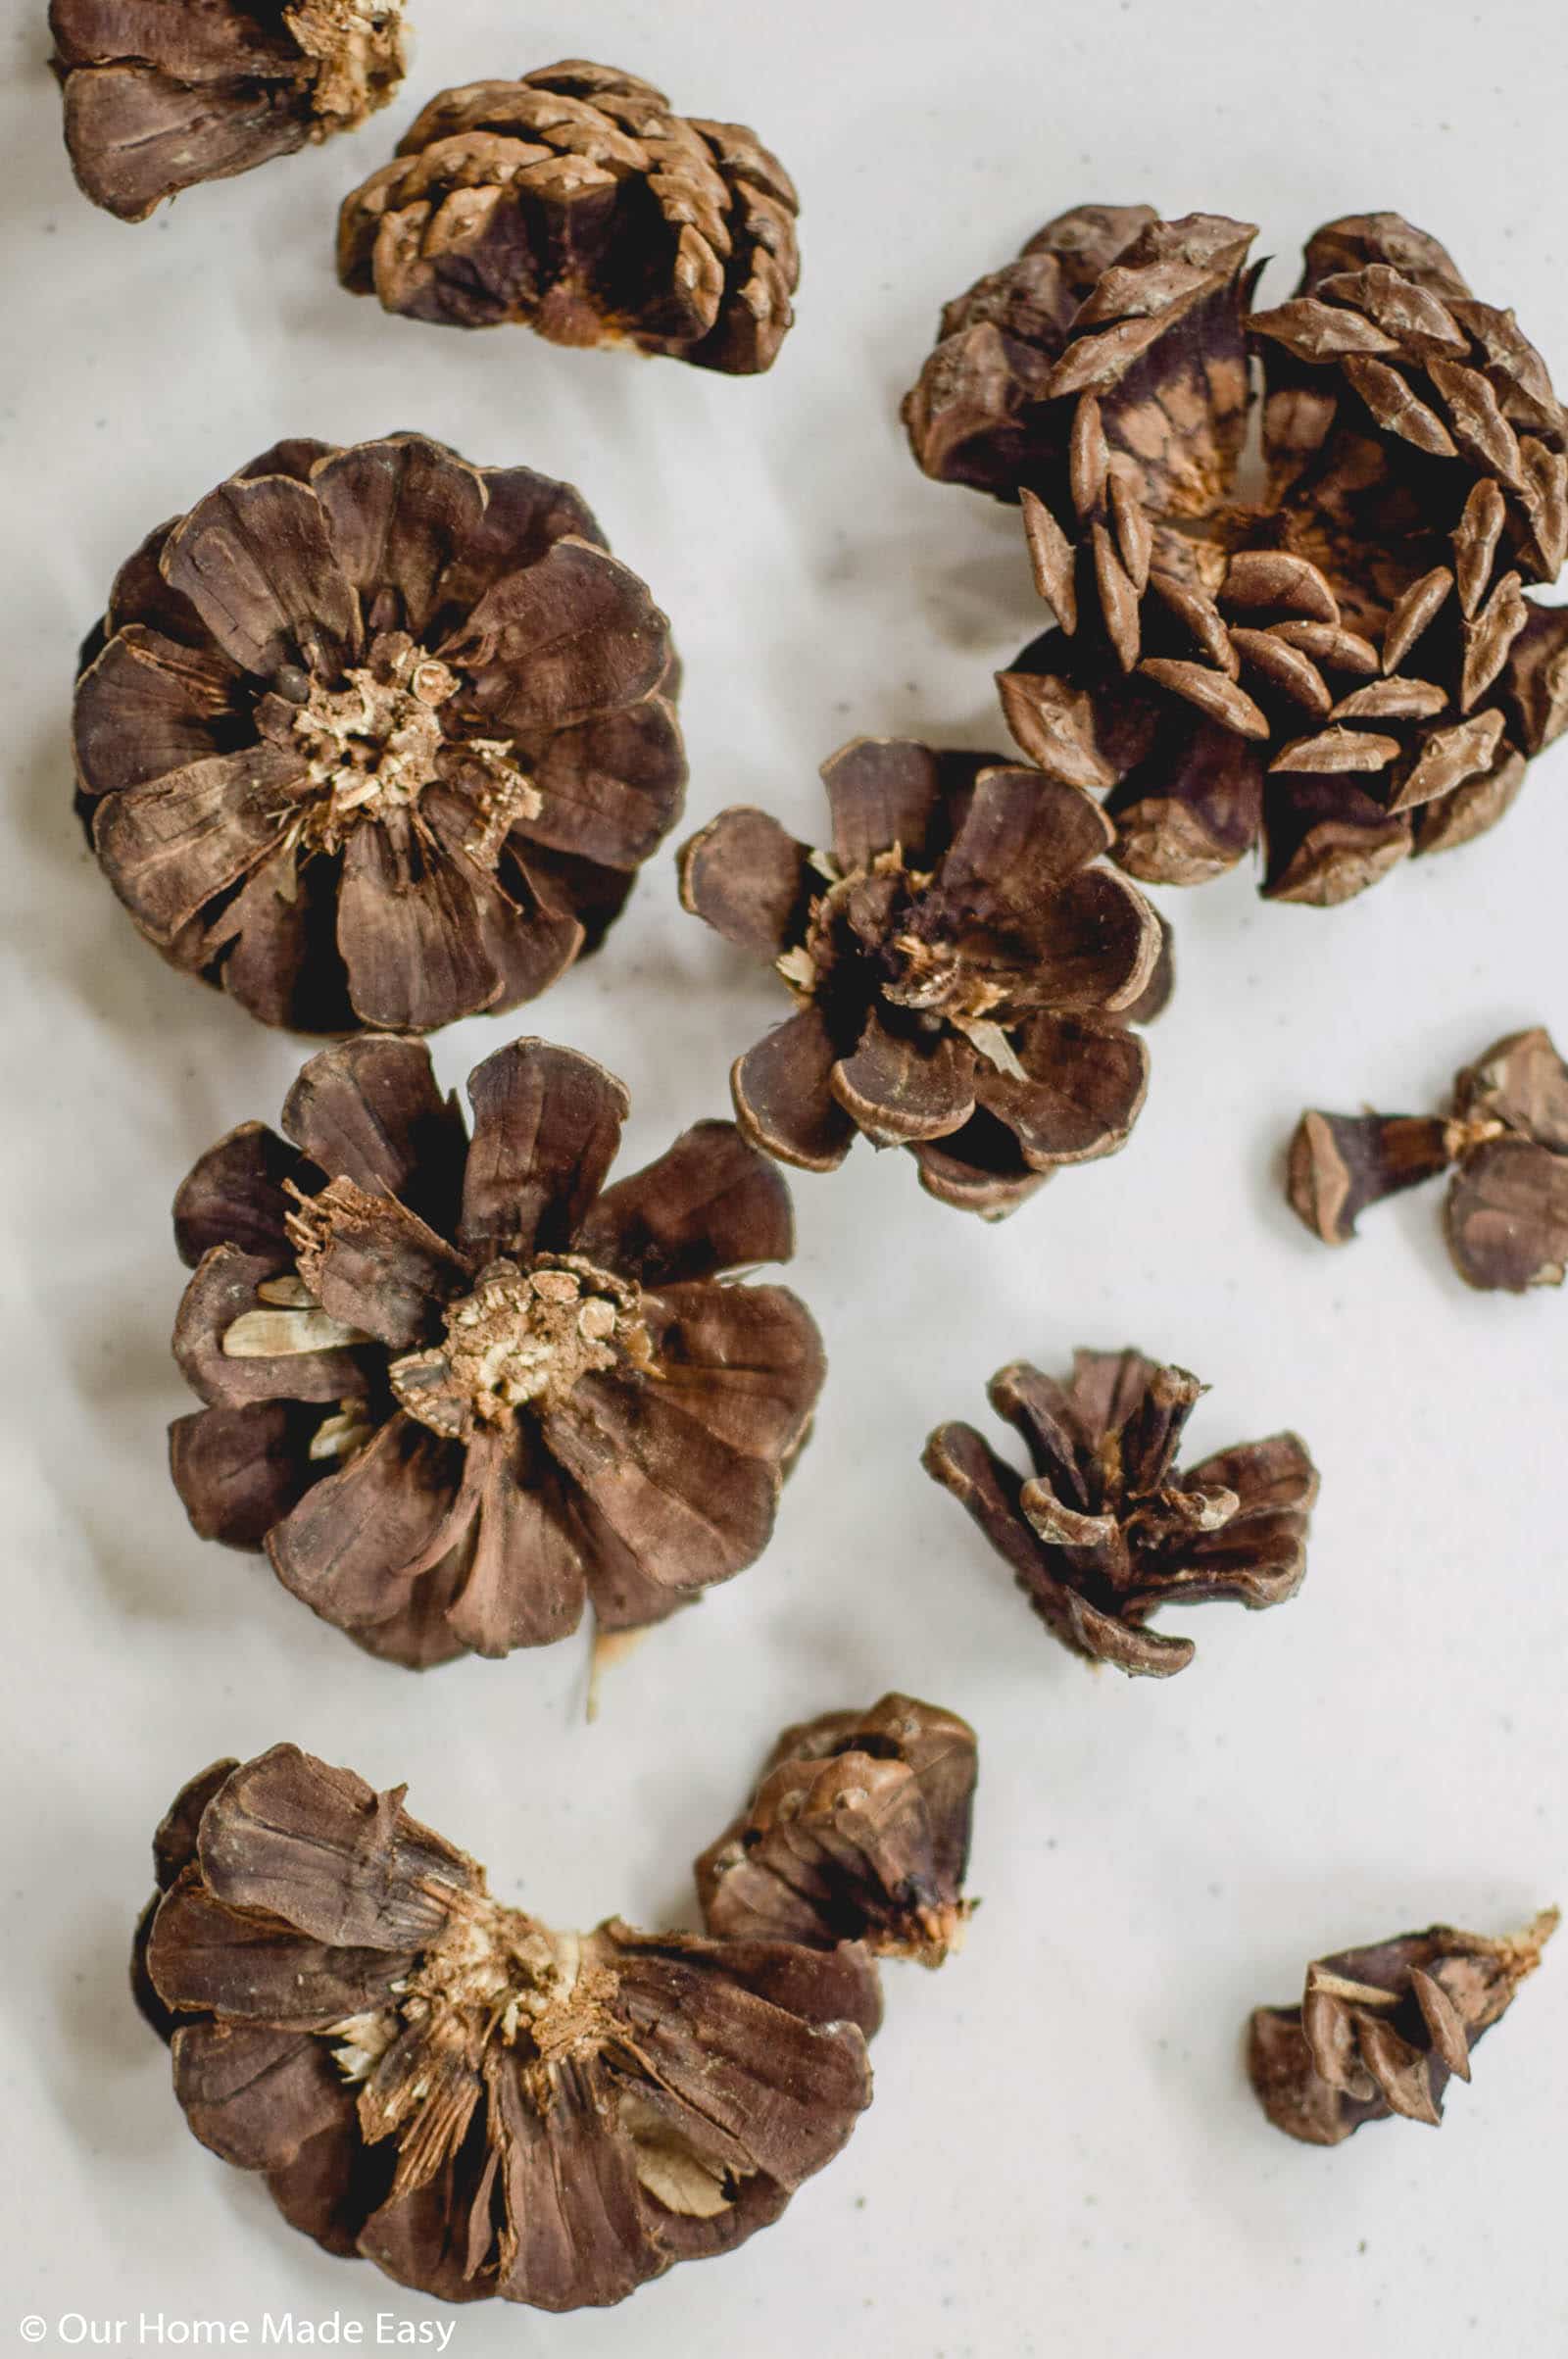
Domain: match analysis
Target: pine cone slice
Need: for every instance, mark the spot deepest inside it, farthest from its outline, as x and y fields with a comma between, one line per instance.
x=160, y=98
x=576, y=203
x=1382, y=2031
x=858, y=1831
x=457, y=1388
x=375, y=738
x=1107, y=1530
x=483, y=2107
x=964, y=967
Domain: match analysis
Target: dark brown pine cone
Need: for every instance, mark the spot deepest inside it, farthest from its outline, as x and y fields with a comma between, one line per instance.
x=374, y=737
x=454, y=1390
x=1505, y=1141
x=965, y=971
x=858, y=1831
x=1344, y=668
x=1379, y=2031
x=1108, y=1529
x=161, y=94
x=575, y=202
x=480, y=2106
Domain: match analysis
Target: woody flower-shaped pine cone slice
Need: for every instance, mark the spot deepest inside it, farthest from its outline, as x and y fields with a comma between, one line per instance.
x=1107, y=1529
x=858, y=1831
x=964, y=966
x=442, y=2085
x=458, y=1388
x=376, y=739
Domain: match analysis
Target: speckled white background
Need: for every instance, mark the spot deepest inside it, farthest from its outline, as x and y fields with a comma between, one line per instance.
x=1064, y=2155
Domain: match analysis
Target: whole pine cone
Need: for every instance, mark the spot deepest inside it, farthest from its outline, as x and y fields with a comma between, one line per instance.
x=444, y=2086
x=858, y=1831
x=965, y=971
x=1381, y=2030
x=456, y=1391
x=374, y=737
x=161, y=94
x=1344, y=668
x=1107, y=1529
x=576, y=203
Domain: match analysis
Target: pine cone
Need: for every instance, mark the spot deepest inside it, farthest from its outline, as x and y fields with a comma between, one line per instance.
x=857, y=1832
x=1379, y=2031
x=574, y=202
x=480, y=2106
x=1506, y=1142
x=374, y=737
x=965, y=971
x=1107, y=1530
x=453, y=1389
x=160, y=97
x=1347, y=669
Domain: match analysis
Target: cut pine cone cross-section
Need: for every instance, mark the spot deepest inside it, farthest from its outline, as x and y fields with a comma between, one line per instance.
x=481, y=2106
x=964, y=965
x=160, y=95
x=1107, y=1529
x=457, y=1388
x=1343, y=669
x=375, y=738
x=577, y=203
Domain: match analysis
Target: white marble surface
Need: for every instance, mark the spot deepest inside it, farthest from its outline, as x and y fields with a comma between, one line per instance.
x=1063, y=2154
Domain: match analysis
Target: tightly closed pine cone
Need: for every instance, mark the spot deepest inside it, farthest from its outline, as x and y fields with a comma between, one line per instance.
x=1505, y=1139
x=576, y=203
x=1345, y=668
x=858, y=1831
x=1107, y=1529
x=1381, y=2030
x=454, y=1390
x=161, y=94
x=965, y=971
x=480, y=2106
x=374, y=737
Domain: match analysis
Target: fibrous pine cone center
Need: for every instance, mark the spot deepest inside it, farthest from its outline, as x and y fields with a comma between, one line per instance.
x=359, y=55
x=876, y=935
x=524, y=1339
x=373, y=743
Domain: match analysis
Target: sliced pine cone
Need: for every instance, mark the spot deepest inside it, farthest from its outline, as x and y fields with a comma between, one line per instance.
x=454, y=1390
x=574, y=202
x=1107, y=1530
x=377, y=738
x=1381, y=2030
x=1505, y=1140
x=445, y=2086
x=160, y=96
x=858, y=1831
x=964, y=968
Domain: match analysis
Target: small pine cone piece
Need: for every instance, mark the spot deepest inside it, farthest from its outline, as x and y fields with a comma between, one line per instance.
x=1381, y=2030
x=456, y=1387
x=1107, y=1529
x=858, y=1831
x=481, y=2106
x=965, y=970
x=576, y=203
x=375, y=738
x=160, y=96
x=1505, y=1140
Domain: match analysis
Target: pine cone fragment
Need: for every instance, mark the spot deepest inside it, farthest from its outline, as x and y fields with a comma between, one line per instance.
x=1343, y=669
x=440, y=2083
x=1505, y=1139
x=377, y=738
x=858, y=1831
x=1381, y=2030
x=1107, y=1529
x=160, y=96
x=454, y=1390
x=574, y=202
x=965, y=970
